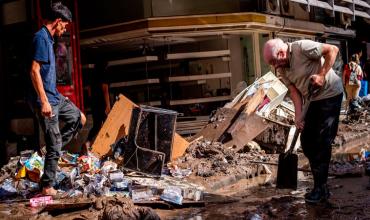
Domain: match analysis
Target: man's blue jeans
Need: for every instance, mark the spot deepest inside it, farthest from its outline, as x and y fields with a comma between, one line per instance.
x=56, y=137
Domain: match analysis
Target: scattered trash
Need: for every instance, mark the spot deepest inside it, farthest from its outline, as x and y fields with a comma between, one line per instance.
x=256, y=217
x=352, y=168
x=178, y=172
x=69, y=158
x=172, y=195
x=116, y=176
x=142, y=194
x=192, y=194
x=41, y=201
x=7, y=189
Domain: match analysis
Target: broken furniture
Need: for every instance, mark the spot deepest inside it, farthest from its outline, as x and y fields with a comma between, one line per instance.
x=247, y=116
x=150, y=140
x=117, y=125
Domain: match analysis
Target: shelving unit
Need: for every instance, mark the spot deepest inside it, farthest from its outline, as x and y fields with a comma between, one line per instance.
x=191, y=78
x=140, y=84
x=190, y=125
x=198, y=77
x=200, y=100
x=203, y=54
x=134, y=83
x=133, y=60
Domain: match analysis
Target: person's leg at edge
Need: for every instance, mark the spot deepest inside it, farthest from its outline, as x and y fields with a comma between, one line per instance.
x=73, y=118
x=53, y=140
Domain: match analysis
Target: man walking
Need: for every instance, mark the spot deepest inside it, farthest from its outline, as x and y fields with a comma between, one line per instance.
x=305, y=67
x=48, y=104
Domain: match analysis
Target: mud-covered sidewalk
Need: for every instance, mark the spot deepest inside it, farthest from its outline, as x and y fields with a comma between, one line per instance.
x=259, y=199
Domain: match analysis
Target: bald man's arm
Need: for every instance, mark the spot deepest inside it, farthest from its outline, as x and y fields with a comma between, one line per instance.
x=296, y=97
x=329, y=52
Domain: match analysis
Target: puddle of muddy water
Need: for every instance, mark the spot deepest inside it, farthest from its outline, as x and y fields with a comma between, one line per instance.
x=258, y=198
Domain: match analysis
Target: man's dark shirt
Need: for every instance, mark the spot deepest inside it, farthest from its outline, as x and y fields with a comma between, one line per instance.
x=43, y=52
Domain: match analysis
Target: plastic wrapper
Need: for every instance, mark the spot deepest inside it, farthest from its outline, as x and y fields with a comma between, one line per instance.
x=192, y=194
x=75, y=193
x=22, y=172
x=35, y=167
x=115, y=176
x=89, y=163
x=108, y=166
x=25, y=156
x=27, y=185
x=142, y=194
x=173, y=195
x=35, y=162
x=180, y=173
x=121, y=186
x=96, y=185
x=7, y=189
x=69, y=158
x=41, y=201
x=79, y=184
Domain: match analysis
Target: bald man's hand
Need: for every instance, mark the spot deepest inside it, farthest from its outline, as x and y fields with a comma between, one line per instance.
x=318, y=80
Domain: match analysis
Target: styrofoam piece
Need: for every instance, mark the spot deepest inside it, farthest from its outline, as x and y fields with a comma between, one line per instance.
x=275, y=93
x=274, y=89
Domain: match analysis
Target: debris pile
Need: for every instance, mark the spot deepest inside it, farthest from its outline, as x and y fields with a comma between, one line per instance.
x=358, y=110
x=257, y=113
x=83, y=176
x=123, y=208
x=208, y=158
x=350, y=164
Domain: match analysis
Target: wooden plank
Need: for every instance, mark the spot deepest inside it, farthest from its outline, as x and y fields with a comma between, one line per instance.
x=187, y=132
x=134, y=83
x=248, y=125
x=179, y=147
x=251, y=126
x=133, y=60
x=190, y=127
x=192, y=118
x=115, y=126
x=203, y=54
x=214, y=130
x=256, y=99
x=199, y=100
x=179, y=124
x=198, y=77
x=191, y=122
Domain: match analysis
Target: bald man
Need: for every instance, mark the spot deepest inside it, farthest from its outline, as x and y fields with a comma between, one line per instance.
x=304, y=65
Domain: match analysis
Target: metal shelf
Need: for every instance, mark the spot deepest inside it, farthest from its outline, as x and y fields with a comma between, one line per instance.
x=204, y=54
x=133, y=60
x=134, y=83
x=198, y=77
x=200, y=100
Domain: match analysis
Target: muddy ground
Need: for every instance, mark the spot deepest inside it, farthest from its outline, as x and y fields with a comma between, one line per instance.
x=252, y=197
x=259, y=199
x=255, y=198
